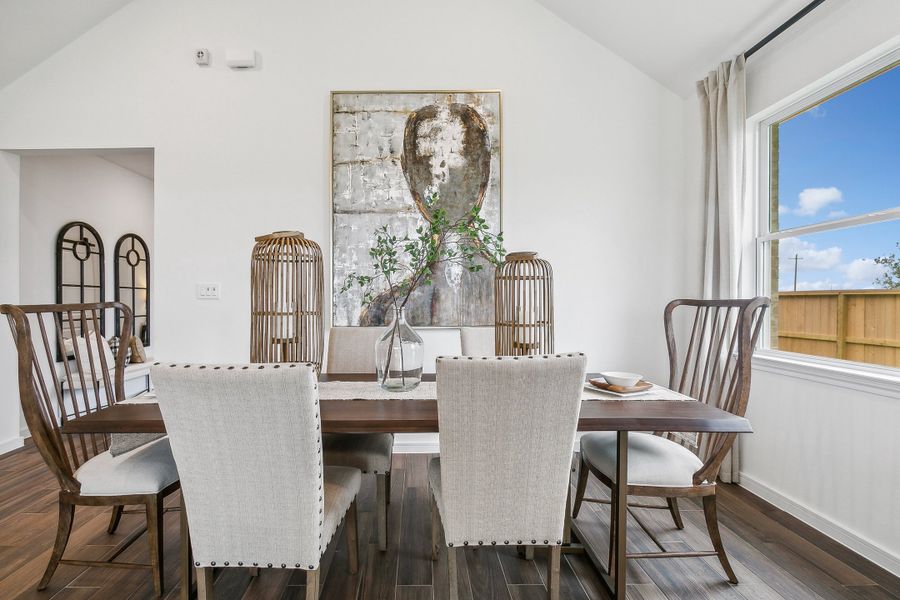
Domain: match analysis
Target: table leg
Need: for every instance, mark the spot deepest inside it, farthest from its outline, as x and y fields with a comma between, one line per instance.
x=614, y=581
x=620, y=505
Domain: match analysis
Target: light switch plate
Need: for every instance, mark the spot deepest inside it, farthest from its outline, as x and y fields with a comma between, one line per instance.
x=207, y=291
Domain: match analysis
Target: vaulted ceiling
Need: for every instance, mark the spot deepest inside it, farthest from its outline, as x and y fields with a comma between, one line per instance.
x=32, y=30
x=673, y=41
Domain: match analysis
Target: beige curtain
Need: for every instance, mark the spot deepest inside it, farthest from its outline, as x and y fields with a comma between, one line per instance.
x=729, y=215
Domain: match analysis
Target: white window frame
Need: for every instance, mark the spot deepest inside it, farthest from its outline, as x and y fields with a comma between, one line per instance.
x=859, y=376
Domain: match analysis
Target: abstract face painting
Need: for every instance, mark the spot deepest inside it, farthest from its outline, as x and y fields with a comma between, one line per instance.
x=391, y=151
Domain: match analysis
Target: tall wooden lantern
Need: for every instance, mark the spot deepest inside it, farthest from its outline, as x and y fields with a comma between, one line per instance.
x=286, y=286
x=523, y=305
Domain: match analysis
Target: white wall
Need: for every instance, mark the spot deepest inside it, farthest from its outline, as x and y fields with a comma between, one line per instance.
x=9, y=294
x=834, y=34
x=58, y=189
x=828, y=454
x=823, y=452
x=592, y=147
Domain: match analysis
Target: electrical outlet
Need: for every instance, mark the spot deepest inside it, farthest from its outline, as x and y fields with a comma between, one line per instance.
x=207, y=291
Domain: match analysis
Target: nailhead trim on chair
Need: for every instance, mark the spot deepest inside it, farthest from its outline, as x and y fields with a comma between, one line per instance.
x=318, y=451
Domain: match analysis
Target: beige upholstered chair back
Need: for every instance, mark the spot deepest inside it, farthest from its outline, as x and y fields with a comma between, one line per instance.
x=477, y=341
x=507, y=429
x=248, y=446
x=352, y=349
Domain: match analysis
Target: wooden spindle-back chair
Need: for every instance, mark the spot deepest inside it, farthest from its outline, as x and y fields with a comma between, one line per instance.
x=62, y=378
x=715, y=366
x=712, y=366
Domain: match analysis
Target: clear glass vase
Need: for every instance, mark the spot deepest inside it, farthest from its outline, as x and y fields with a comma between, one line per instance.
x=399, y=355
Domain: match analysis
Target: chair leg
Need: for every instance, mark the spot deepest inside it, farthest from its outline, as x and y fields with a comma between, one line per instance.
x=553, y=572
x=114, y=518
x=352, y=544
x=676, y=514
x=712, y=524
x=584, y=472
x=312, y=585
x=63, y=529
x=435, y=529
x=453, y=573
x=387, y=487
x=381, y=493
x=155, y=510
x=205, y=589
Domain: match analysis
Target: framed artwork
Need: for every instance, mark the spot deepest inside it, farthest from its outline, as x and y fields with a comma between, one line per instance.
x=391, y=149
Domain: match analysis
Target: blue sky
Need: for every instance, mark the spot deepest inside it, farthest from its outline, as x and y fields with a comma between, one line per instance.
x=841, y=158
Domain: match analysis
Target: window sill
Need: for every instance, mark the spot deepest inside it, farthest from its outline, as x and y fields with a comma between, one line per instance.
x=871, y=379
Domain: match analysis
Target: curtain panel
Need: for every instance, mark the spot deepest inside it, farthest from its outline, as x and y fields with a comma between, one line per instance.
x=728, y=209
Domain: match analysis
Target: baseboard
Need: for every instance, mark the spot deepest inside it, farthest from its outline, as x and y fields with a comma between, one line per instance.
x=861, y=546
x=11, y=444
x=416, y=443
x=416, y=448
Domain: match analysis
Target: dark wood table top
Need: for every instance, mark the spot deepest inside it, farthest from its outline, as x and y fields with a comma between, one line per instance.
x=421, y=416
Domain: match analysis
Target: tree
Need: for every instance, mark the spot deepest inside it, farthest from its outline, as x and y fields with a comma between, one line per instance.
x=890, y=279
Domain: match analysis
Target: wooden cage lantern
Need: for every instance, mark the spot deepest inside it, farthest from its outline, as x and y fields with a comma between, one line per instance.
x=286, y=286
x=523, y=305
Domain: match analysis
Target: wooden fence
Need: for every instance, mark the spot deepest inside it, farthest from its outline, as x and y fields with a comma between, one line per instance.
x=857, y=325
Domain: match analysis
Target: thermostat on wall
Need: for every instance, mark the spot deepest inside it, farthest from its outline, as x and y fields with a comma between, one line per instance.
x=241, y=59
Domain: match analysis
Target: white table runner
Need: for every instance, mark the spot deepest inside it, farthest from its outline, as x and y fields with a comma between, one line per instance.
x=427, y=390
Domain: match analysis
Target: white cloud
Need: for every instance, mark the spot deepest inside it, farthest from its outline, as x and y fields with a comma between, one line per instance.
x=837, y=214
x=862, y=271
x=812, y=200
x=810, y=256
x=782, y=209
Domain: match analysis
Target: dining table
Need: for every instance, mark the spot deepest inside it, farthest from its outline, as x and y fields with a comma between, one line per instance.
x=355, y=403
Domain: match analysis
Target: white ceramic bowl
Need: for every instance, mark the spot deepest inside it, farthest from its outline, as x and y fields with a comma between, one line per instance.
x=621, y=378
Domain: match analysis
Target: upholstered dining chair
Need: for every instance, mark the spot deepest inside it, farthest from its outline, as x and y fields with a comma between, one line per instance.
x=713, y=366
x=507, y=429
x=477, y=341
x=66, y=371
x=247, y=442
x=352, y=350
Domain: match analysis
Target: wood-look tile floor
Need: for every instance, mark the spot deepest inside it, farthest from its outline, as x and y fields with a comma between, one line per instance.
x=775, y=556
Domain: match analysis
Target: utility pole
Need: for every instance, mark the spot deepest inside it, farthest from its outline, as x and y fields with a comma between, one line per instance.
x=796, y=260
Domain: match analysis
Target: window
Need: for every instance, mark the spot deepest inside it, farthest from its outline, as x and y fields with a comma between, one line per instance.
x=830, y=247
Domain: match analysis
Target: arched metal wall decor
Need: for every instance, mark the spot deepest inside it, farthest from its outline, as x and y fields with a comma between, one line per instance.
x=132, y=281
x=80, y=266
x=523, y=305
x=286, y=287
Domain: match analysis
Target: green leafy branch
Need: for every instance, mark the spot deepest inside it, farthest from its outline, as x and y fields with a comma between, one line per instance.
x=890, y=279
x=402, y=264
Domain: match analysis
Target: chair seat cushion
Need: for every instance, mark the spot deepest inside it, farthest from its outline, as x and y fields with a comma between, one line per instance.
x=368, y=452
x=145, y=470
x=652, y=460
x=341, y=486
